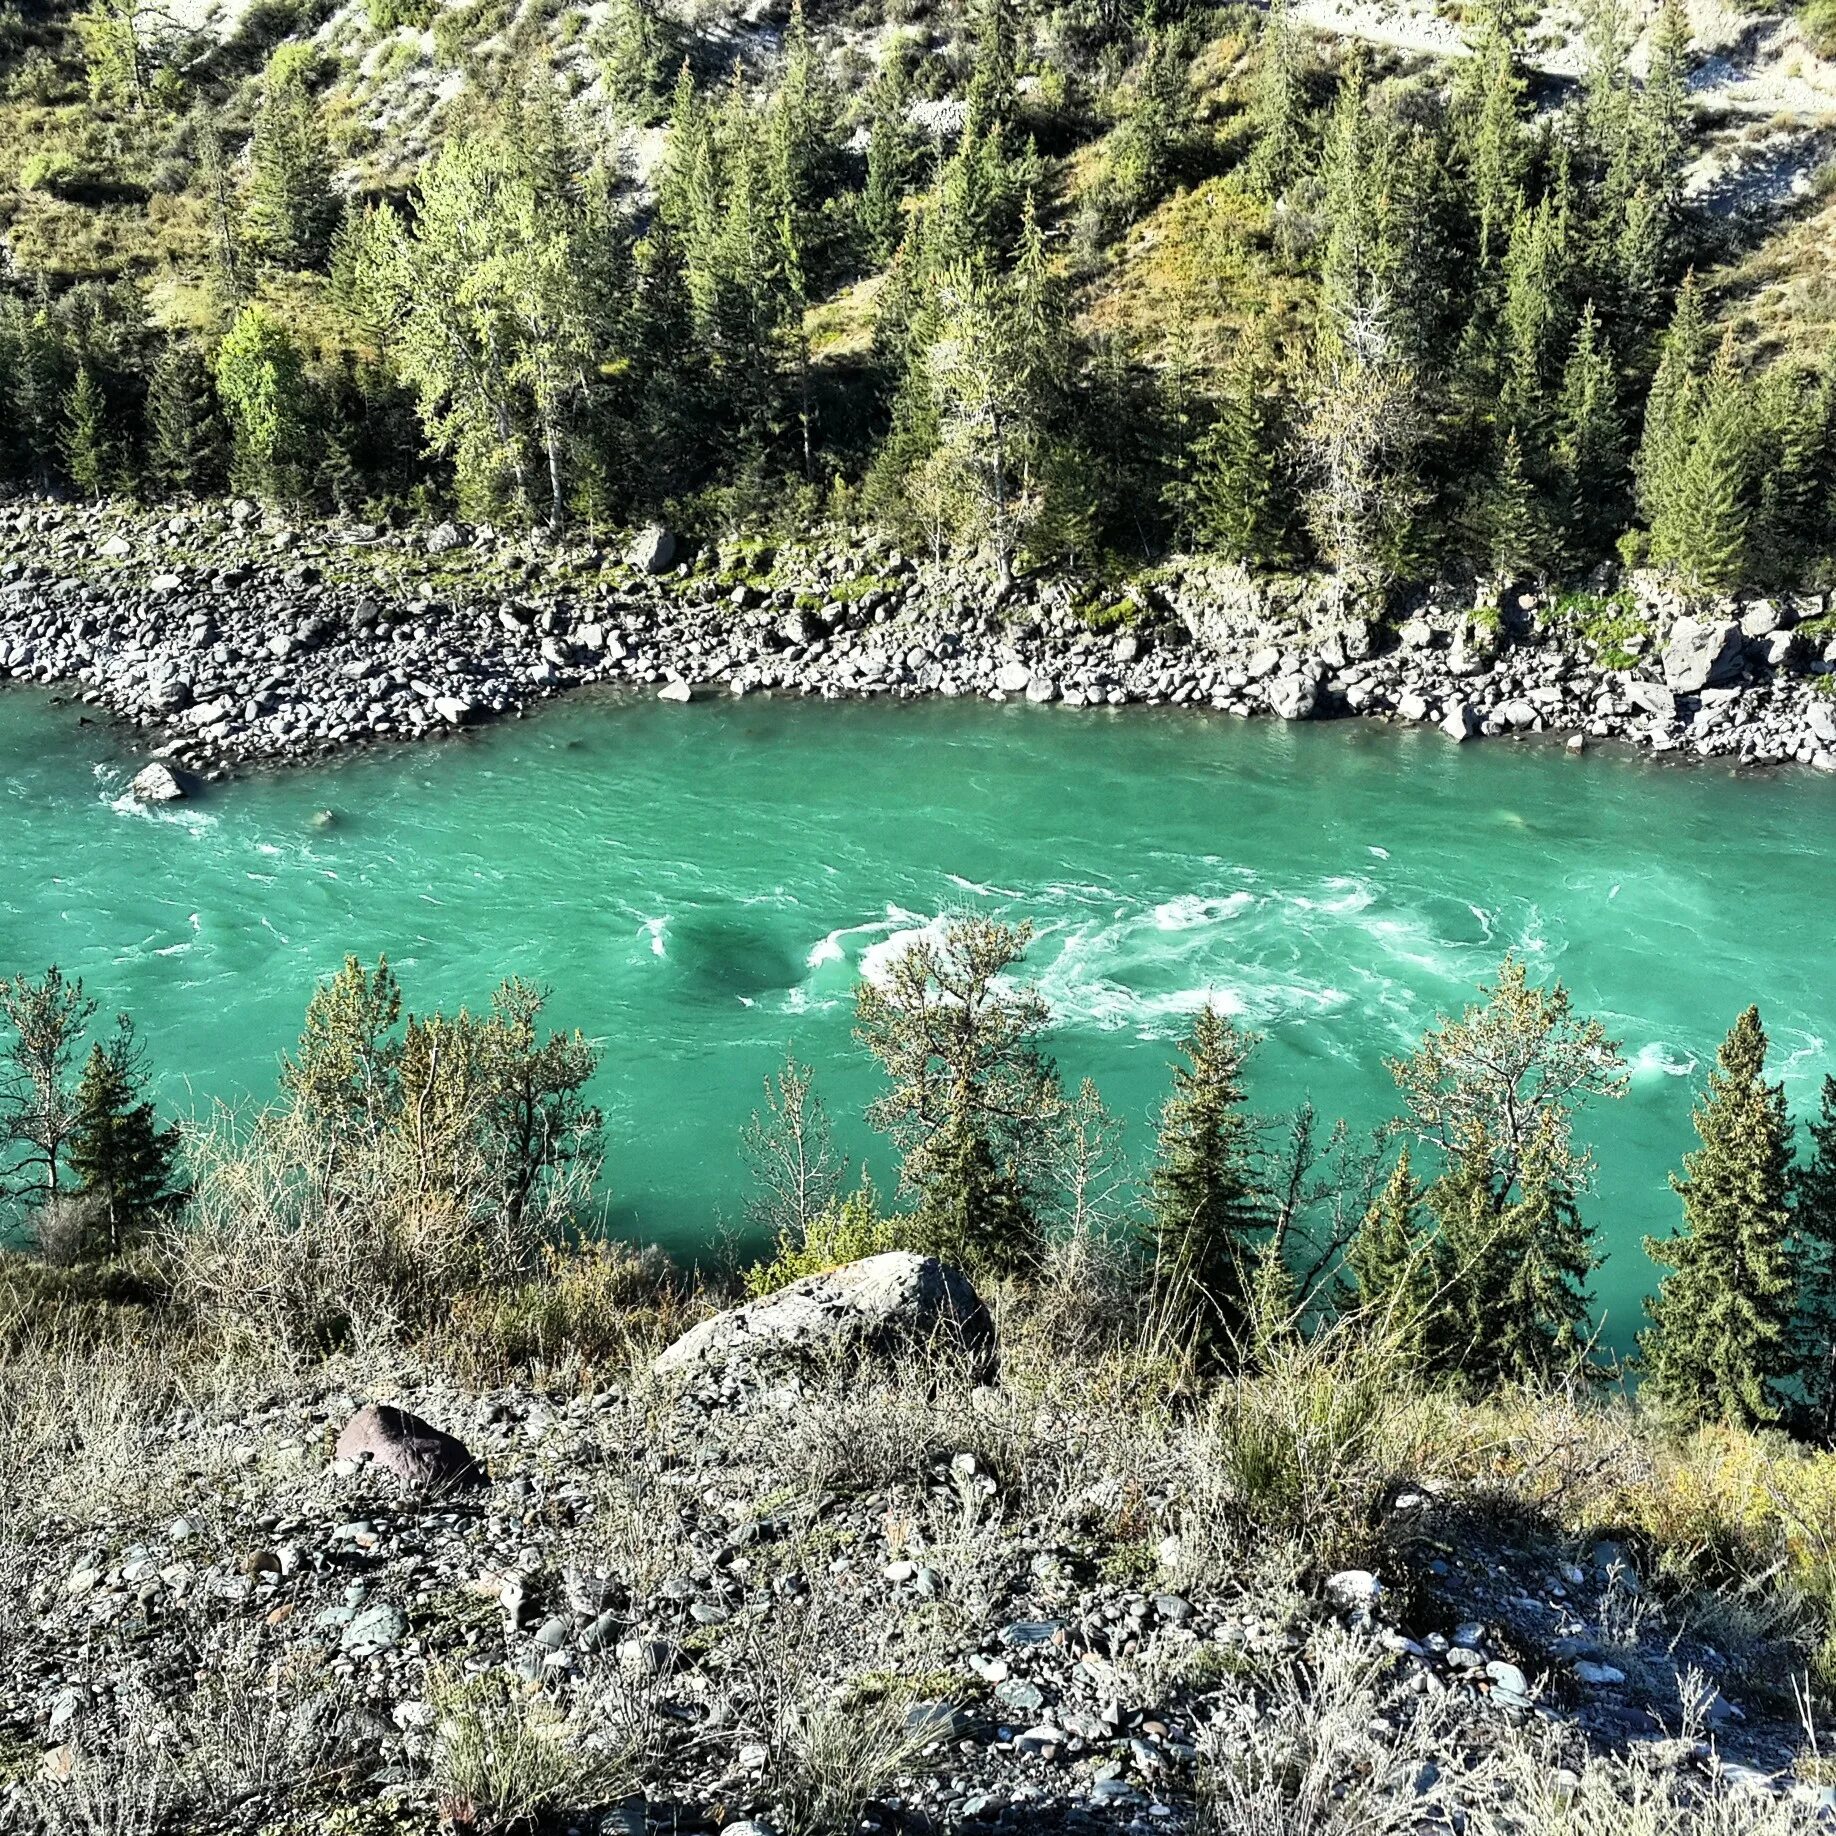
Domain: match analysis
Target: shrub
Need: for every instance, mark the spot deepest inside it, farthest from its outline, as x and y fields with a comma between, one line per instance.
x=840, y=1234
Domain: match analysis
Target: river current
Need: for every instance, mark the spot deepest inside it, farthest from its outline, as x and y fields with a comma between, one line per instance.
x=701, y=887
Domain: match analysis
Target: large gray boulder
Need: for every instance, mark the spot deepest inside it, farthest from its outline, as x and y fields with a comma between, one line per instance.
x=415, y=1452
x=653, y=550
x=158, y=783
x=881, y=1307
x=1701, y=654
x=1294, y=697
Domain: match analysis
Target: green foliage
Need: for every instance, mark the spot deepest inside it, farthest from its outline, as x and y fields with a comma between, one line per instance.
x=290, y=209
x=45, y=1020
x=844, y=1231
x=1719, y=1344
x=973, y=1098
x=1495, y=1092
x=1607, y=625
x=120, y=1156
x=1207, y=1204
x=87, y=446
x=262, y=384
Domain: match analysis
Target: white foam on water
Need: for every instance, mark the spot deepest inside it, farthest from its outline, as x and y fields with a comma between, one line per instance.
x=1660, y=1058
x=1190, y=910
x=1382, y=854
x=656, y=930
x=173, y=816
x=905, y=929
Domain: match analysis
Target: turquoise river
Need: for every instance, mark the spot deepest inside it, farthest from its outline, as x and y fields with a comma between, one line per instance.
x=702, y=885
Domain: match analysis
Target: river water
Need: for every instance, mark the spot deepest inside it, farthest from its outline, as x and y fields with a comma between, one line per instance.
x=701, y=886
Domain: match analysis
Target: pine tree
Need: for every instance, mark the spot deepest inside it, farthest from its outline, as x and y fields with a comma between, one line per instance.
x=1242, y=493
x=1589, y=453
x=1671, y=405
x=119, y=1154
x=1392, y=1257
x=1719, y=1343
x=184, y=433
x=1534, y=269
x=1814, y=1247
x=1704, y=527
x=1278, y=108
x=86, y=443
x=1660, y=116
x=1207, y=1205
x=290, y=209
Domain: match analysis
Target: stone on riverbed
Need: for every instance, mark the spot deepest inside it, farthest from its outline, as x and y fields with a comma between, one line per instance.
x=157, y=783
x=1701, y=654
x=882, y=1306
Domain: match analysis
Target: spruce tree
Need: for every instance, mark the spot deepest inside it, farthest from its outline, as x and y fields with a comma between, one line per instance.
x=972, y=1211
x=1814, y=1246
x=262, y=383
x=86, y=444
x=1243, y=489
x=1207, y=1205
x=1513, y=533
x=1719, y=1343
x=633, y=48
x=1589, y=454
x=290, y=209
x=1704, y=527
x=1671, y=405
x=1392, y=1257
x=119, y=1154
x=892, y=159
x=1278, y=108
x=184, y=433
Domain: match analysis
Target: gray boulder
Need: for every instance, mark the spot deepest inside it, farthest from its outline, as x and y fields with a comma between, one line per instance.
x=1653, y=698
x=879, y=1308
x=1701, y=654
x=1294, y=697
x=443, y=538
x=157, y=783
x=414, y=1451
x=1461, y=721
x=653, y=550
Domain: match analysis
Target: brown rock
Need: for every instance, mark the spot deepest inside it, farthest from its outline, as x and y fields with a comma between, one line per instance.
x=416, y=1452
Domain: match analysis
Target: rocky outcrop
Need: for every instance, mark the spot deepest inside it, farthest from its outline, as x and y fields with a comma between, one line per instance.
x=877, y=1308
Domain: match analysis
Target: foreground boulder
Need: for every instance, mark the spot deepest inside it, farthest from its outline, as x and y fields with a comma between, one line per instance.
x=653, y=551
x=880, y=1307
x=416, y=1452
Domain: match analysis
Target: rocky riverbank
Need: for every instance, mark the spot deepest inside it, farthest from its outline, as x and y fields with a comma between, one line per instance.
x=767, y=1584
x=233, y=641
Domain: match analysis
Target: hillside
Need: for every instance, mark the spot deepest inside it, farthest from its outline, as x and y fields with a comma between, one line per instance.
x=1070, y=288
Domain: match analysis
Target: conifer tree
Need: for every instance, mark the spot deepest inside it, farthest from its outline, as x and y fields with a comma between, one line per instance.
x=1278, y=108
x=184, y=436
x=119, y=1154
x=1719, y=1343
x=1671, y=405
x=1589, y=455
x=1704, y=524
x=1242, y=491
x=1512, y=530
x=289, y=210
x=892, y=159
x=973, y=1102
x=1392, y=1257
x=1495, y=1093
x=1208, y=1209
x=1491, y=114
x=634, y=52
x=1660, y=118
x=1814, y=1247
x=1534, y=277
x=86, y=444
